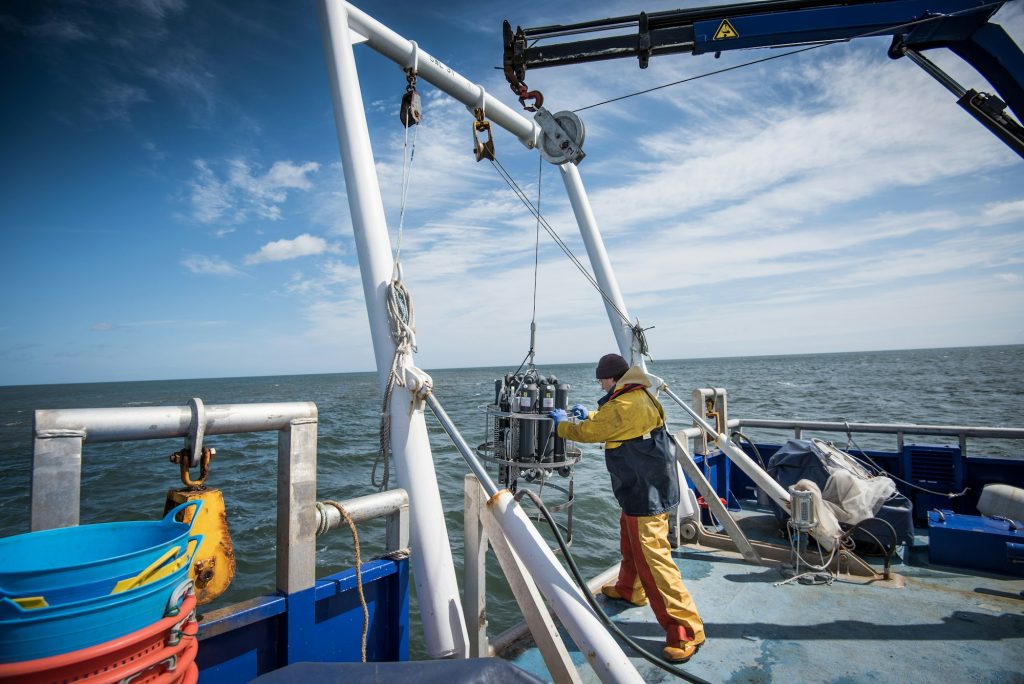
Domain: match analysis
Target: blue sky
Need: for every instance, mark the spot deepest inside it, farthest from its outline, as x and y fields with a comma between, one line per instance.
x=172, y=204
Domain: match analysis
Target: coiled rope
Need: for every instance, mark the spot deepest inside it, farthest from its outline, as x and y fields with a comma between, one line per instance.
x=402, y=326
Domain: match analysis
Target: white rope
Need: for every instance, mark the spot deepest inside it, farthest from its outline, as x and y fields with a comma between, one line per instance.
x=402, y=326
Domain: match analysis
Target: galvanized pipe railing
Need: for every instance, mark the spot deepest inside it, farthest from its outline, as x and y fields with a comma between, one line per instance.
x=392, y=504
x=961, y=432
x=57, y=463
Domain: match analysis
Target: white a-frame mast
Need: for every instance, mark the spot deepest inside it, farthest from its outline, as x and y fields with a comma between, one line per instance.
x=443, y=622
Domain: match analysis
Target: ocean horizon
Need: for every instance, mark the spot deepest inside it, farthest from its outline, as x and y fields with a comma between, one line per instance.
x=652, y=365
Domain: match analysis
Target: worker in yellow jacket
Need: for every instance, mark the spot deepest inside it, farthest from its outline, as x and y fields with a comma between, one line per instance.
x=640, y=457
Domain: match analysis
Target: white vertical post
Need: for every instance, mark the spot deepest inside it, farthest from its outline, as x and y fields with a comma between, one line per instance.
x=595, y=642
x=433, y=569
x=600, y=263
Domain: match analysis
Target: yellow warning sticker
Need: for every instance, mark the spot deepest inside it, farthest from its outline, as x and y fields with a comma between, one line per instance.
x=726, y=30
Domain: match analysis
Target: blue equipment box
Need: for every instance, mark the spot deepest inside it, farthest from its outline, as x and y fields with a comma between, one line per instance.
x=975, y=541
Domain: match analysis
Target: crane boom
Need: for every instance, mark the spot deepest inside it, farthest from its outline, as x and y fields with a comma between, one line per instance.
x=961, y=26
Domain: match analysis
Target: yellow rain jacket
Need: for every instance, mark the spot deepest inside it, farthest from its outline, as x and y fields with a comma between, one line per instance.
x=639, y=453
x=629, y=415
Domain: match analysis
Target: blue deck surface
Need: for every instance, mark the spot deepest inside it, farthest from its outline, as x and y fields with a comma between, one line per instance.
x=941, y=625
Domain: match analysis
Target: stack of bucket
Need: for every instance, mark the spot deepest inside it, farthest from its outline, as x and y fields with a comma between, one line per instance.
x=102, y=603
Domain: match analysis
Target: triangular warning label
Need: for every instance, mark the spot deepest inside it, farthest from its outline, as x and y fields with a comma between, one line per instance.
x=726, y=30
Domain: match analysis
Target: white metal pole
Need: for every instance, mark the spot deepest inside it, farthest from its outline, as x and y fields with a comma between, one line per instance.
x=434, y=71
x=600, y=263
x=433, y=569
x=596, y=643
x=593, y=639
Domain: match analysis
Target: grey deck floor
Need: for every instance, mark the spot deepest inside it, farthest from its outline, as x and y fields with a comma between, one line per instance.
x=943, y=625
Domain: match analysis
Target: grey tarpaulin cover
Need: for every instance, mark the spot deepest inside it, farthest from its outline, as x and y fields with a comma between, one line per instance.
x=799, y=459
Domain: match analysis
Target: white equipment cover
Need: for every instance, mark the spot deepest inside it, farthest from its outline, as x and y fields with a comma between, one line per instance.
x=851, y=491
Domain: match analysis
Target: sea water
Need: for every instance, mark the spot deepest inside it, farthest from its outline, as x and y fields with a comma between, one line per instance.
x=128, y=481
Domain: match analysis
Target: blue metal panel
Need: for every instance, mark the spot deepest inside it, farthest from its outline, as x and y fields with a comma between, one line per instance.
x=243, y=643
x=838, y=22
x=323, y=623
x=972, y=541
x=936, y=468
x=339, y=615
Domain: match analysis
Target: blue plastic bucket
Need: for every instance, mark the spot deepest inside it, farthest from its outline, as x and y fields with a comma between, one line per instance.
x=38, y=562
x=43, y=632
x=166, y=564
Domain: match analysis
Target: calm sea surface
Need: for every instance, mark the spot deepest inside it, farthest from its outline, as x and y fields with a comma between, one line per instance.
x=128, y=481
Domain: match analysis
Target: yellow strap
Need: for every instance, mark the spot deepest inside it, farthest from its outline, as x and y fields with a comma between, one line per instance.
x=145, y=577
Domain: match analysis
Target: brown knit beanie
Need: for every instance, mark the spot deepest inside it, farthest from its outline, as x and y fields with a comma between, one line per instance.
x=611, y=366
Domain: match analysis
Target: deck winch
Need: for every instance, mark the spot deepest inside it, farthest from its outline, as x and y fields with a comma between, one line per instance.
x=521, y=437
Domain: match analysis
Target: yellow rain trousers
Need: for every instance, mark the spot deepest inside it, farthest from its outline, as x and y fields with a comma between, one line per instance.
x=627, y=417
x=648, y=569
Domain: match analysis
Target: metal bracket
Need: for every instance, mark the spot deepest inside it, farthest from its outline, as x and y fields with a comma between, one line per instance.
x=196, y=431
x=643, y=47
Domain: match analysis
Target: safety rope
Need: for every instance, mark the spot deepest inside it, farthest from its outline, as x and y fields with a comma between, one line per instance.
x=868, y=34
x=402, y=326
x=321, y=506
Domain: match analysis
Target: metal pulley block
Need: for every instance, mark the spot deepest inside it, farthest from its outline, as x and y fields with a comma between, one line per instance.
x=561, y=138
x=411, y=111
x=213, y=564
x=482, y=148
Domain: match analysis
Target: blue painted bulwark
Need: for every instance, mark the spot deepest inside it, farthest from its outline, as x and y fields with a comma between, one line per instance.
x=321, y=624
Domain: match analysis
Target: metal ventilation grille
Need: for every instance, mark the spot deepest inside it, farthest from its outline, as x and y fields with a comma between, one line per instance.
x=935, y=467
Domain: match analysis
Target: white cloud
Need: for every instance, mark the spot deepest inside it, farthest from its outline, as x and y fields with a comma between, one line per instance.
x=331, y=273
x=1004, y=212
x=282, y=250
x=204, y=265
x=821, y=202
x=244, y=194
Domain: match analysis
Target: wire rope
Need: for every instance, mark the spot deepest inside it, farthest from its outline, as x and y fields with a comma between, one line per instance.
x=558, y=240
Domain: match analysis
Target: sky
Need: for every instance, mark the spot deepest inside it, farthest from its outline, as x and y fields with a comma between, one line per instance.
x=172, y=203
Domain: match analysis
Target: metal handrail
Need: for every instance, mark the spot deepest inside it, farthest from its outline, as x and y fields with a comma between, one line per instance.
x=392, y=504
x=882, y=428
x=61, y=434
x=961, y=432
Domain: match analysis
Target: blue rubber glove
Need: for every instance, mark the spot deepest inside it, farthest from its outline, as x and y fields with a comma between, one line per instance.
x=559, y=416
x=579, y=411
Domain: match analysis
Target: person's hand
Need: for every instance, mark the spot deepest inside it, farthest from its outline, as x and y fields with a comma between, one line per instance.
x=559, y=416
x=579, y=411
